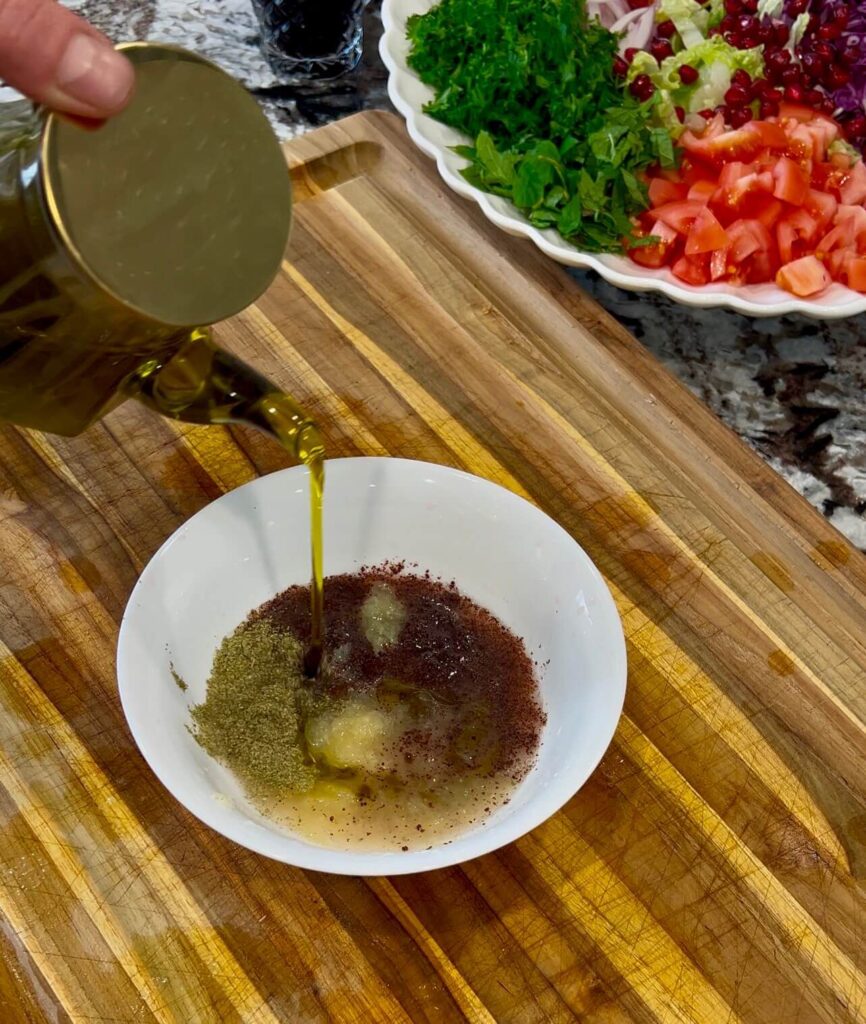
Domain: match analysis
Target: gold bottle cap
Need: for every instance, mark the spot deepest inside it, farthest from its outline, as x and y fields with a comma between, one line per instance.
x=179, y=207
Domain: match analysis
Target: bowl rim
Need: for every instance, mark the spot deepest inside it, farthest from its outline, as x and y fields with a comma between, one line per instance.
x=307, y=855
x=615, y=269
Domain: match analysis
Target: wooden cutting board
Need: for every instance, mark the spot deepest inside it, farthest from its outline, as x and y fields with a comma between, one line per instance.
x=710, y=871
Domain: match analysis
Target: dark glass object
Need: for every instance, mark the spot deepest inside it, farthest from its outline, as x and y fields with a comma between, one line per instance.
x=311, y=40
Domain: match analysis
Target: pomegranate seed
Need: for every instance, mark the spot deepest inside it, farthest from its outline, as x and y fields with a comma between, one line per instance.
x=841, y=15
x=747, y=23
x=620, y=67
x=666, y=29
x=642, y=87
x=661, y=48
x=773, y=96
x=760, y=86
x=839, y=77
x=734, y=6
x=748, y=41
x=714, y=31
x=707, y=113
x=742, y=78
x=813, y=97
x=781, y=33
x=791, y=76
x=728, y=23
x=828, y=106
x=796, y=7
x=769, y=109
x=855, y=127
x=812, y=63
x=750, y=5
x=850, y=54
x=688, y=74
x=630, y=53
x=736, y=96
x=793, y=92
x=737, y=117
x=779, y=59
x=824, y=51
x=829, y=31
x=681, y=113
x=768, y=35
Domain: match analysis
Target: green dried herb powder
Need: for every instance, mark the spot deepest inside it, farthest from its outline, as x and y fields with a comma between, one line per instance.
x=252, y=718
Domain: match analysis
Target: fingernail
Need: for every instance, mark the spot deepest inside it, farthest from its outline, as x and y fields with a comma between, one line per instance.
x=93, y=74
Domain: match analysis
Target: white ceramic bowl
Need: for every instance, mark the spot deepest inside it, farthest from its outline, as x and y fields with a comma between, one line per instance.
x=253, y=542
x=409, y=94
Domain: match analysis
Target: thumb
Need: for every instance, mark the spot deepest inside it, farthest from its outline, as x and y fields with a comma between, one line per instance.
x=55, y=58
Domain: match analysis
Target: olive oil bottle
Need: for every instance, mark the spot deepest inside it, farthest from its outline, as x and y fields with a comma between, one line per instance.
x=117, y=241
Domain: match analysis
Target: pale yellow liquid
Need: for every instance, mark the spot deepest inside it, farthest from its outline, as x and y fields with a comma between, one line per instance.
x=379, y=794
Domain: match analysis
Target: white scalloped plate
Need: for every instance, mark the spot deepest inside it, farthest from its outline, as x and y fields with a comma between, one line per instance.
x=409, y=95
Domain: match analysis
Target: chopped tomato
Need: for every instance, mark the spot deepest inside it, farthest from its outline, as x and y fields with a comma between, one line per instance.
x=732, y=172
x=766, y=209
x=770, y=133
x=680, y=215
x=856, y=273
x=849, y=230
x=828, y=176
x=748, y=237
x=796, y=110
x=852, y=188
x=720, y=264
x=693, y=269
x=803, y=142
x=805, y=276
x=693, y=171
x=706, y=234
x=838, y=262
x=821, y=205
x=761, y=267
x=759, y=182
x=659, y=253
x=795, y=232
x=653, y=256
x=767, y=201
x=791, y=182
x=738, y=144
x=744, y=197
x=662, y=191
x=825, y=131
x=702, y=190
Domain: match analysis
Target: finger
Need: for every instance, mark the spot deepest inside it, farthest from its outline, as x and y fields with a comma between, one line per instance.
x=56, y=58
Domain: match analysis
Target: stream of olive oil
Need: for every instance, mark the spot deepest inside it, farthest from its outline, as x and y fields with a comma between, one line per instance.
x=201, y=383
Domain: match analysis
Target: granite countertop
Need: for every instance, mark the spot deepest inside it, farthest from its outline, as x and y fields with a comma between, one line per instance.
x=793, y=388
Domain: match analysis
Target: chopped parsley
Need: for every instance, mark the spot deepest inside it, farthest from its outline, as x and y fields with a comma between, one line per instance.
x=531, y=81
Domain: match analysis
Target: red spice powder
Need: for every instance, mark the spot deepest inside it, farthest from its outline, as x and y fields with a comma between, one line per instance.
x=449, y=647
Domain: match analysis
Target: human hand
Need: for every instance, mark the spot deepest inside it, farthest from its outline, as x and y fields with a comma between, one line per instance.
x=58, y=59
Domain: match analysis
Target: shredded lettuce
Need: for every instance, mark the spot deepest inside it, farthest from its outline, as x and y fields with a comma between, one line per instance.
x=798, y=30
x=770, y=8
x=840, y=146
x=715, y=59
x=716, y=11
x=692, y=21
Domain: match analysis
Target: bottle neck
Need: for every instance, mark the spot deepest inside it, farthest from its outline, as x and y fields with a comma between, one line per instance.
x=201, y=383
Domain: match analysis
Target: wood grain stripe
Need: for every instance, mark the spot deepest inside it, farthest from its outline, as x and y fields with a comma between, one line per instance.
x=816, y=953
x=472, y=1008
x=18, y=689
